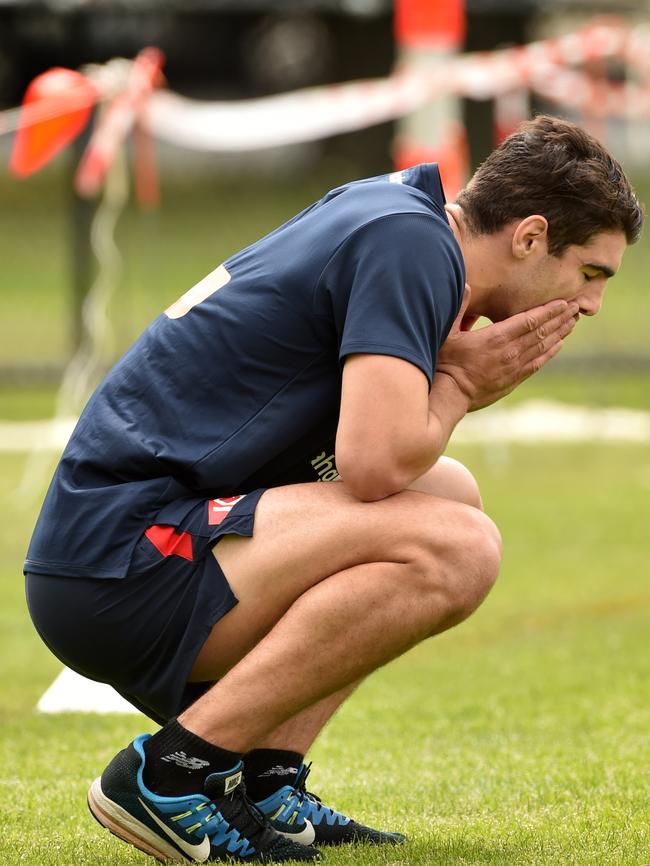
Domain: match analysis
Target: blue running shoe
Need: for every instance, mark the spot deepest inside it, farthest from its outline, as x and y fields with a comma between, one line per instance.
x=301, y=816
x=216, y=824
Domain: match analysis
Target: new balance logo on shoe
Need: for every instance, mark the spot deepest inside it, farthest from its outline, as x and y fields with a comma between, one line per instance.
x=182, y=760
x=279, y=771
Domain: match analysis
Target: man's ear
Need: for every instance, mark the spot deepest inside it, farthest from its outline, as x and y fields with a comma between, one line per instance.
x=530, y=236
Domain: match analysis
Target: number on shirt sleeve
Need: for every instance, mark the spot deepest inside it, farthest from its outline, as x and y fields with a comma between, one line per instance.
x=208, y=286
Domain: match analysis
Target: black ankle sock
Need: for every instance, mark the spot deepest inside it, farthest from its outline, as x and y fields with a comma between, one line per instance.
x=177, y=761
x=267, y=770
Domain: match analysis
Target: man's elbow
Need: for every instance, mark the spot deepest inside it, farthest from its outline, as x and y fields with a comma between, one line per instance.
x=371, y=483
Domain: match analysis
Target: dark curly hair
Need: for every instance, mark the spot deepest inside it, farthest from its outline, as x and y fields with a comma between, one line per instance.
x=553, y=168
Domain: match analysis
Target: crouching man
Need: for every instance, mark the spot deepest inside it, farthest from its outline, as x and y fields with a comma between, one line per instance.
x=189, y=553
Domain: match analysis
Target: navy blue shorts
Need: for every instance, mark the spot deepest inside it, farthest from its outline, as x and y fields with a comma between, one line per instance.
x=142, y=633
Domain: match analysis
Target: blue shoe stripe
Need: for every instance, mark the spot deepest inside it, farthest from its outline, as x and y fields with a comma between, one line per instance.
x=292, y=801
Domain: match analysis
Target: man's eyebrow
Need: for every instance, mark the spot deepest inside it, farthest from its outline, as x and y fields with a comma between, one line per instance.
x=603, y=268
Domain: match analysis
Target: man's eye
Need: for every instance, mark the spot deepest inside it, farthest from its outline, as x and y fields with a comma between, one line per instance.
x=589, y=277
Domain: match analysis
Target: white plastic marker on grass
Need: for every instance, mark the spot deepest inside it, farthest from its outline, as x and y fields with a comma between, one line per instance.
x=72, y=693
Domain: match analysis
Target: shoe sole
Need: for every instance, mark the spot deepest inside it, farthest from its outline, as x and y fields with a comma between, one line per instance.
x=123, y=825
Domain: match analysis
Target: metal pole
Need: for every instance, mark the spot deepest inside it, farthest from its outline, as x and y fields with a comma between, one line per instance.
x=427, y=32
x=82, y=266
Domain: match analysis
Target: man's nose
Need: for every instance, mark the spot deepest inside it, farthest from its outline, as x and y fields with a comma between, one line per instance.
x=592, y=300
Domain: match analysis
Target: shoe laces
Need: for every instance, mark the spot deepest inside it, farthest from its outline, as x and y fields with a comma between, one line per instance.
x=314, y=802
x=244, y=816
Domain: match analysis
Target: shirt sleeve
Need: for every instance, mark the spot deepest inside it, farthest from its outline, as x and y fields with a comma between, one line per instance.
x=395, y=287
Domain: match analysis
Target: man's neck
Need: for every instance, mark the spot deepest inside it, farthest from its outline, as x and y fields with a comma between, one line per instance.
x=482, y=255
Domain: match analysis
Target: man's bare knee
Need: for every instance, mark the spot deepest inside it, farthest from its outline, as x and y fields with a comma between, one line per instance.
x=450, y=479
x=457, y=563
x=480, y=555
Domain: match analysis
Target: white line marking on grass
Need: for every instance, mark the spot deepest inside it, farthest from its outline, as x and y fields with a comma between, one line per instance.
x=531, y=421
x=549, y=421
x=29, y=436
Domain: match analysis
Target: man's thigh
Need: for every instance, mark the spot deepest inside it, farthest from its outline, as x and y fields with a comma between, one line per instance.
x=305, y=533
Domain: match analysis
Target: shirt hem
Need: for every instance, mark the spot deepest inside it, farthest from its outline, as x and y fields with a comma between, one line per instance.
x=394, y=351
x=63, y=569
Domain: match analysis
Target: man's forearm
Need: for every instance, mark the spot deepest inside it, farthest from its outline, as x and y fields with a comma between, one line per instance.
x=447, y=405
x=392, y=427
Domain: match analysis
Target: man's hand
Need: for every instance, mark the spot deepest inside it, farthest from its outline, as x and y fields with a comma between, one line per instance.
x=489, y=363
x=392, y=428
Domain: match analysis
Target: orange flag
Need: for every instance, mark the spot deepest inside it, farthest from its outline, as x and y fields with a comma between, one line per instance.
x=56, y=107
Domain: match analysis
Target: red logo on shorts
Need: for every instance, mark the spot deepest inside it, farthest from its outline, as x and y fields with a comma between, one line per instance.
x=219, y=509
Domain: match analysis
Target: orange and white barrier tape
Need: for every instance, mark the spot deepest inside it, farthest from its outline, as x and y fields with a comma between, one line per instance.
x=544, y=67
x=117, y=121
x=547, y=68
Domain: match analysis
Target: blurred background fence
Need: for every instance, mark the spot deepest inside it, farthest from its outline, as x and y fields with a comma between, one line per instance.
x=213, y=203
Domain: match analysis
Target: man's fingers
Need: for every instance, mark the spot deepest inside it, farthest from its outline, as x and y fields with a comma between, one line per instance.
x=536, y=344
x=532, y=366
x=530, y=321
x=497, y=358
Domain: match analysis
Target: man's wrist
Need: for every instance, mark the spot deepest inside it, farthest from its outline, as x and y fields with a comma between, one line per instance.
x=446, y=396
x=447, y=405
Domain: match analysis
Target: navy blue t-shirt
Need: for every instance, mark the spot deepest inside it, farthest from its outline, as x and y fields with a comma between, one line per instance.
x=237, y=385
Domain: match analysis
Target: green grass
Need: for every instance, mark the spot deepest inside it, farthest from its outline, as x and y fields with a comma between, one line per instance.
x=162, y=253
x=585, y=389
x=27, y=404
x=517, y=739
